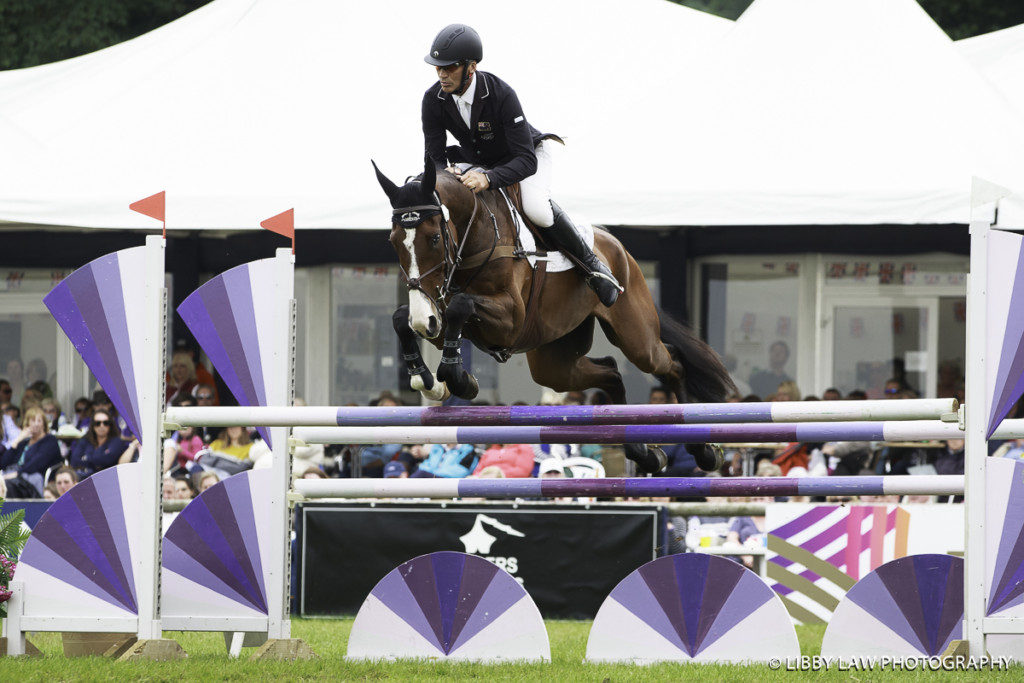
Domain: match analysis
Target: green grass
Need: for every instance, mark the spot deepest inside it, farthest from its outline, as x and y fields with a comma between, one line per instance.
x=207, y=661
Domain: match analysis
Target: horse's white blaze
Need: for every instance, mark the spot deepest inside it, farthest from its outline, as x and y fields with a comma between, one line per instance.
x=420, y=307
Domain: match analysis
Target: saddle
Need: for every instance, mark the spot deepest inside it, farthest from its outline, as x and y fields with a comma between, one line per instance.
x=513, y=195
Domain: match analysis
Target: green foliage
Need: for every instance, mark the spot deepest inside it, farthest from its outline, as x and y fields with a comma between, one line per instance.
x=13, y=537
x=958, y=18
x=39, y=31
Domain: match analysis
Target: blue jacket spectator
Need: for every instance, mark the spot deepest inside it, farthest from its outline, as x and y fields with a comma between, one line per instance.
x=100, y=448
x=35, y=451
x=680, y=462
x=450, y=463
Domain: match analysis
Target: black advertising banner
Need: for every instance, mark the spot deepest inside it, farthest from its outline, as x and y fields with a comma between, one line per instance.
x=569, y=558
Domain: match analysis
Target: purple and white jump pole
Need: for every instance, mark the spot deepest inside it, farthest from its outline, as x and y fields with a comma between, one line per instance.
x=510, y=416
x=657, y=487
x=914, y=430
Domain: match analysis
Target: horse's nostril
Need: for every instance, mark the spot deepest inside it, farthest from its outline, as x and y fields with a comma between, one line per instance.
x=432, y=325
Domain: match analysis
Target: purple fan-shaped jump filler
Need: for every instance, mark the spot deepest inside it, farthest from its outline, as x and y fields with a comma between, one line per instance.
x=222, y=316
x=448, y=597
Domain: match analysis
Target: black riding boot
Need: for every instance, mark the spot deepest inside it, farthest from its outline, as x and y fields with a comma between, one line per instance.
x=563, y=233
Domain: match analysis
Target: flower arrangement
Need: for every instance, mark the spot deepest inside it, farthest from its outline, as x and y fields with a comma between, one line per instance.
x=13, y=536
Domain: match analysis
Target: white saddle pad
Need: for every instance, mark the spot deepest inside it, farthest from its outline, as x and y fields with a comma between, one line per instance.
x=557, y=261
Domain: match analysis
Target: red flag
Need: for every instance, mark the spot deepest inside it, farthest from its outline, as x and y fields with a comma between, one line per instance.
x=282, y=224
x=152, y=206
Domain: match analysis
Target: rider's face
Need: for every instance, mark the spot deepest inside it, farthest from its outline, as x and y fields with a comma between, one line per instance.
x=451, y=75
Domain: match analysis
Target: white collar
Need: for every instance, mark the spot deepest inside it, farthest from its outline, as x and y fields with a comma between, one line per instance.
x=467, y=96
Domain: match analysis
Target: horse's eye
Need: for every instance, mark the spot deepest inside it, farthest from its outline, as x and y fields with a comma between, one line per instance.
x=435, y=240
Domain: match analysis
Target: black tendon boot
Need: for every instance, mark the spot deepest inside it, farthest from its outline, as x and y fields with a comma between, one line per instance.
x=563, y=233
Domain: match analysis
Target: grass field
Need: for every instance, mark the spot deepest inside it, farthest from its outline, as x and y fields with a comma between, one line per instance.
x=207, y=661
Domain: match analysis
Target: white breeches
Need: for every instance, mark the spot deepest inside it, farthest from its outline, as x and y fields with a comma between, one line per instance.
x=536, y=190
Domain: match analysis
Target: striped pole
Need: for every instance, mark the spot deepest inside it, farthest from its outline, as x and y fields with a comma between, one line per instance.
x=653, y=487
x=617, y=434
x=506, y=416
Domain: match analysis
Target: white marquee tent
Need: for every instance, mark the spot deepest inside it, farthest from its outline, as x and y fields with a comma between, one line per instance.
x=247, y=107
x=1000, y=56
x=803, y=112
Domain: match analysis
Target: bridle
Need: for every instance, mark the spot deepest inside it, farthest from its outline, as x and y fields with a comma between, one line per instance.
x=410, y=218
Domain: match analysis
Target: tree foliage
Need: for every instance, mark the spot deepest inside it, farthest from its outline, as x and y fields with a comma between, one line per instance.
x=39, y=31
x=958, y=18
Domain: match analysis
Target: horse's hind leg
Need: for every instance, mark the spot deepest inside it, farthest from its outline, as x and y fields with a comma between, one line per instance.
x=562, y=366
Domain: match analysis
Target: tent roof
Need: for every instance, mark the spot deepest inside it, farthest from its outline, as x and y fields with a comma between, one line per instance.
x=803, y=112
x=1000, y=57
x=247, y=107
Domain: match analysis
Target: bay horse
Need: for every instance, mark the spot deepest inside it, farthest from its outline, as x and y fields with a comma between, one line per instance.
x=467, y=278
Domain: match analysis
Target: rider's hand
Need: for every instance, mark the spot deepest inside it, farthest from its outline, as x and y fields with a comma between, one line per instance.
x=476, y=181
x=454, y=170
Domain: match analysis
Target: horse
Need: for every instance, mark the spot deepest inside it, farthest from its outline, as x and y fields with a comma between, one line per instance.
x=468, y=278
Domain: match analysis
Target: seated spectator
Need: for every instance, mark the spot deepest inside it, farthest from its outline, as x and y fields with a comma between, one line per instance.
x=54, y=416
x=680, y=462
x=492, y=472
x=34, y=452
x=36, y=375
x=168, y=488
x=1013, y=449
x=951, y=461
x=660, y=395
x=6, y=393
x=181, y=448
x=100, y=448
x=412, y=456
x=233, y=441
x=31, y=398
x=204, y=396
x=831, y=394
x=65, y=480
x=206, y=479
x=50, y=492
x=43, y=389
x=847, y=458
x=203, y=376
x=9, y=432
x=83, y=411
x=450, y=461
x=314, y=473
x=857, y=395
x=372, y=459
x=182, y=379
x=787, y=391
x=395, y=470
x=514, y=460
x=183, y=489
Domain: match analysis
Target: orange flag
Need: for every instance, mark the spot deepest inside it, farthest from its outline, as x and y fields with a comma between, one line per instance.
x=152, y=206
x=282, y=224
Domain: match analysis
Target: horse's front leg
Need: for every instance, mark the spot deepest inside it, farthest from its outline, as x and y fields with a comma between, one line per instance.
x=451, y=372
x=420, y=377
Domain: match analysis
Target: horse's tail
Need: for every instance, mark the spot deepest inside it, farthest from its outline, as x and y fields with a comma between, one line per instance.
x=705, y=379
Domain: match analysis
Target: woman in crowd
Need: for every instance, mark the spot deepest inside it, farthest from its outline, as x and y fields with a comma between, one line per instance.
x=514, y=460
x=183, y=488
x=181, y=448
x=65, y=480
x=100, y=448
x=183, y=375
x=233, y=441
x=54, y=417
x=206, y=479
x=451, y=461
x=83, y=411
x=35, y=451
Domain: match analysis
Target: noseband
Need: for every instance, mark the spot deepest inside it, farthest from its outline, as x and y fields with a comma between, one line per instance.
x=410, y=218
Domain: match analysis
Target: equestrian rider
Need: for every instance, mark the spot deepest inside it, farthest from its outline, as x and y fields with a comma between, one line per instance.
x=484, y=115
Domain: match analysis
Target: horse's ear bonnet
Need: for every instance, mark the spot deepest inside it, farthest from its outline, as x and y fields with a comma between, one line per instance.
x=390, y=189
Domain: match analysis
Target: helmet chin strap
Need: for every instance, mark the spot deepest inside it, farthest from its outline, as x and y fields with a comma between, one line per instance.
x=464, y=83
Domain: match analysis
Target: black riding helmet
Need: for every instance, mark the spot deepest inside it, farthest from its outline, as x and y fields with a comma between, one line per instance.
x=456, y=43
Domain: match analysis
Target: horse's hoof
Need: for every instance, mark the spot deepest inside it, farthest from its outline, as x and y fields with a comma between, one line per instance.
x=711, y=458
x=419, y=384
x=648, y=459
x=468, y=388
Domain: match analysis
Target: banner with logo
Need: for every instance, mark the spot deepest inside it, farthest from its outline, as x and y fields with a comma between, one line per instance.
x=568, y=557
x=817, y=552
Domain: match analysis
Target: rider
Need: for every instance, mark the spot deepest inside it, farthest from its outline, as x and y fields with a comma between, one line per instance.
x=484, y=115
